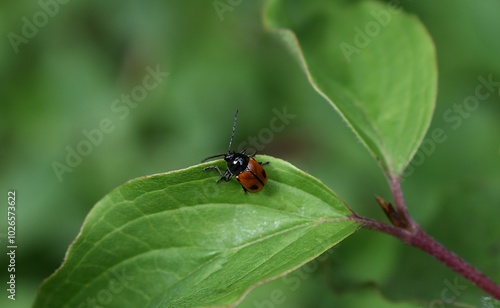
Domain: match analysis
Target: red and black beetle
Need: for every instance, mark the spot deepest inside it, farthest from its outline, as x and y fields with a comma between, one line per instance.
x=247, y=170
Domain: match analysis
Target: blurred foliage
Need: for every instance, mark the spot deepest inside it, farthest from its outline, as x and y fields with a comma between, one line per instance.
x=66, y=77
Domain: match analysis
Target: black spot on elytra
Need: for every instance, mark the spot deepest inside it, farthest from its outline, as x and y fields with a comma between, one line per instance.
x=254, y=187
x=264, y=174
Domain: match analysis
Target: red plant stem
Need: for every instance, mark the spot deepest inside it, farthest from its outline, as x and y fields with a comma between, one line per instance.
x=423, y=241
x=413, y=235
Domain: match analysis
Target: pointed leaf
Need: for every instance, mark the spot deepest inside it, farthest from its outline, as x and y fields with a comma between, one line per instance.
x=179, y=239
x=374, y=63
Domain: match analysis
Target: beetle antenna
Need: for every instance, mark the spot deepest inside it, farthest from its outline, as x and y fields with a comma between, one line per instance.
x=234, y=128
x=214, y=156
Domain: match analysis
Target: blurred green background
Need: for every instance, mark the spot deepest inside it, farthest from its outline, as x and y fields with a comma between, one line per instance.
x=67, y=77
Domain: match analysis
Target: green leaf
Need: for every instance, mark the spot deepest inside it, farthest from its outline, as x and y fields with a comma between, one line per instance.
x=179, y=239
x=374, y=63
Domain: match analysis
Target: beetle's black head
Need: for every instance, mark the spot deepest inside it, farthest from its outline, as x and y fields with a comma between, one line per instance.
x=236, y=162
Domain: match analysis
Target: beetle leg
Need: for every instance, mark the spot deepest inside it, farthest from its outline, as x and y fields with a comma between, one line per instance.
x=253, y=155
x=213, y=168
x=222, y=176
x=226, y=176
x=244, y=189
x=249, y=155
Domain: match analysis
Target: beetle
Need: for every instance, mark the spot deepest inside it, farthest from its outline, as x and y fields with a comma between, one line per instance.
x=248, y=171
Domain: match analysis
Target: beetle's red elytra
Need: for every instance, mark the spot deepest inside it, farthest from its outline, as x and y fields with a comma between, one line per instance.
x=254, y=177
x=248, y=171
